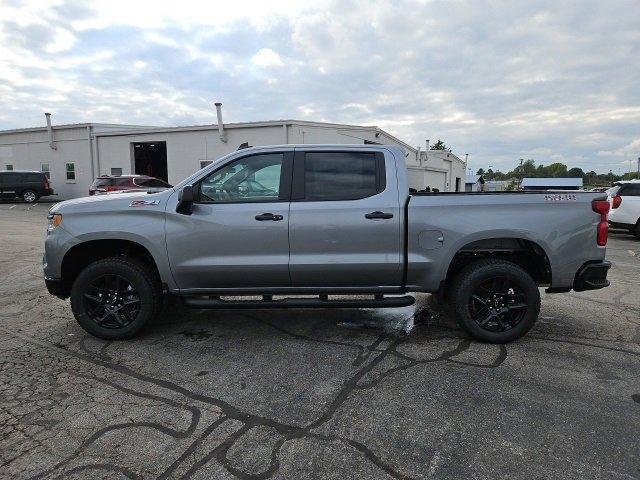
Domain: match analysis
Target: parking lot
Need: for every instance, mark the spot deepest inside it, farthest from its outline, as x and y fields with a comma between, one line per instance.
x=318, y=393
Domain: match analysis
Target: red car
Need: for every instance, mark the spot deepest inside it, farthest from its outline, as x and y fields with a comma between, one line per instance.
x=117, y=183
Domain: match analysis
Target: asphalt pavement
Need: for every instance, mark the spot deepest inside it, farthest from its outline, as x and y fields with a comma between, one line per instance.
x=343, y=394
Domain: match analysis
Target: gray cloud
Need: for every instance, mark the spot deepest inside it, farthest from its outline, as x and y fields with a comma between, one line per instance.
x=553, y=81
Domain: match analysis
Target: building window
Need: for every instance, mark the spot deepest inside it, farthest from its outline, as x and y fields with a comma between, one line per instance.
x=71, y=172
x=204, y=163
x=9, y=167
x=44, y=168
x=116, y=171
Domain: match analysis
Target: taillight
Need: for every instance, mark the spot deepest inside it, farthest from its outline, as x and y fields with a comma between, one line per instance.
x=602, y=207
x=617, y=200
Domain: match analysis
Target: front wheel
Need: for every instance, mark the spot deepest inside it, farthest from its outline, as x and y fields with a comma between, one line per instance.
x=115, y=298
x=495, y=301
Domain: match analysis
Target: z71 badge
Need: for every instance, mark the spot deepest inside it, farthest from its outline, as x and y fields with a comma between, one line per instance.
x=560, y=197
x=143, y=203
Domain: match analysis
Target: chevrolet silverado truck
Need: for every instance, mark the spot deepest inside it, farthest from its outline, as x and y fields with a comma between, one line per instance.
x=300, y=226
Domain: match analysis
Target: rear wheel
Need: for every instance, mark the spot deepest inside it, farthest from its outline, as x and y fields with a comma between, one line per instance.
x=636, y=230
x=29, y=196
x=495, y=301
x=115, y=298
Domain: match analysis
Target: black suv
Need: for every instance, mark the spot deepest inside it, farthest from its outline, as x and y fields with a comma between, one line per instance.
x=29, y=186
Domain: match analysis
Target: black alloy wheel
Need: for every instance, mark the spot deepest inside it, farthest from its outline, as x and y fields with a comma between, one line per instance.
x=111, y=301
x=495, y=300
x=498, y=304
x=116, y=297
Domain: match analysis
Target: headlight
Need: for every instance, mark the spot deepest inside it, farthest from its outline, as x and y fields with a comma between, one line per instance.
x=54, y=219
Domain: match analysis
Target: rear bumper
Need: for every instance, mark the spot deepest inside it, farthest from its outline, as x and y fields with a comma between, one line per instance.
x=54, y=286
x=592, y=275
x=620, y=225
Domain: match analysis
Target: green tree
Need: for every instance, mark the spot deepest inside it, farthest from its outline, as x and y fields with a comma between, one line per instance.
x=556, y=170
x=528, y=168
x=439, y=145
x=575, y=172
x=480, y=171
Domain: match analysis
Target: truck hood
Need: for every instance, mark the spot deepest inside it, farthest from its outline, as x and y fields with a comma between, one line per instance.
x=99, y=202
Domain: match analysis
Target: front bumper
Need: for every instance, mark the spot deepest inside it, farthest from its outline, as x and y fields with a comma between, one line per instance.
x=54, y=285
x=592, y=275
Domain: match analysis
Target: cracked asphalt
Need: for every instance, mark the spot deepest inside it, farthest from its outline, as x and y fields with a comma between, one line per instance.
x=301, y=394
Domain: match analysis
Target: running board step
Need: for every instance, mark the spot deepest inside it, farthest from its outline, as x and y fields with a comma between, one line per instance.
x=322, y=302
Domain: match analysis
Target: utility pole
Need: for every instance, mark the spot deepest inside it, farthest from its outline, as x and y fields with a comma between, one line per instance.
x=638, y=168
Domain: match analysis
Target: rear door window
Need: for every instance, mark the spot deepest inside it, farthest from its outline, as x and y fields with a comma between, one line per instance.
x=151, y=183
x=339, y=175
x=123, y=182
x=103, y=182
x=33, y=177
x=14, y=178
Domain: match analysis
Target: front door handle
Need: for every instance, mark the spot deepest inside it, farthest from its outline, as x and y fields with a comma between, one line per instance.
x=268, y=216
x=374, y=215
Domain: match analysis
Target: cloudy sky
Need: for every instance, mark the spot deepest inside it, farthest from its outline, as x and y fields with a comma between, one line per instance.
x=549, y=80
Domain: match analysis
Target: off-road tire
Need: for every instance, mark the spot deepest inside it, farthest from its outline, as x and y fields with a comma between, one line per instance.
x=473, y=275
x=140, y=276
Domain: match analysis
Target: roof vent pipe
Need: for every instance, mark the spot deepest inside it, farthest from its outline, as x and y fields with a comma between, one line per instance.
x=223, y=137
x=50, y=131
x=419, y=160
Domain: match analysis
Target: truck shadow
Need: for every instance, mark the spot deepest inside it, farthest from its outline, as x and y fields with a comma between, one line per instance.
x=425, y=317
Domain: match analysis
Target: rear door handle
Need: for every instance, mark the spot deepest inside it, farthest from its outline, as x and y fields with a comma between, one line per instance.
x=268, y=216
x=374, y=215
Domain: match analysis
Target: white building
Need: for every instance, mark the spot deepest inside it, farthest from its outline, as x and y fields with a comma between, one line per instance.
x=474, y=183
x=551, y=184
x=75, y=154
x=496, y=185
x=438, y=169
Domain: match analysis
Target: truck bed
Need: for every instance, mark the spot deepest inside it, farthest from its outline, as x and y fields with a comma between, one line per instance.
x=442, y=224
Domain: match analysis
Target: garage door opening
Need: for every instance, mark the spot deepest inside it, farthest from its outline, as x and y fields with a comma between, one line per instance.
x=150, y=159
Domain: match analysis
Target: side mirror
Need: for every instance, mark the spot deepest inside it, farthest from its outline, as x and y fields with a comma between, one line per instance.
x=185, y=200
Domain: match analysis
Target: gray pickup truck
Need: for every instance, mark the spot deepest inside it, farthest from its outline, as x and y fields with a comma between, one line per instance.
x=321, y=226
